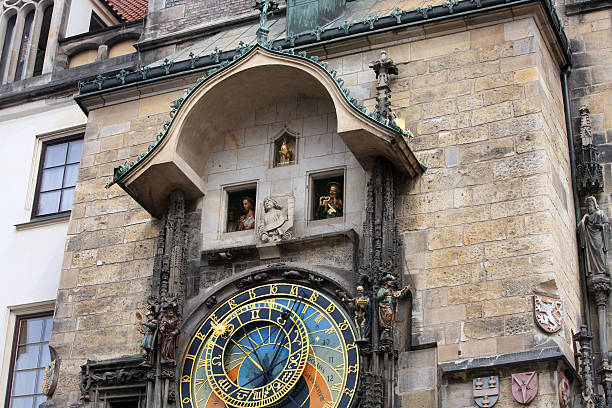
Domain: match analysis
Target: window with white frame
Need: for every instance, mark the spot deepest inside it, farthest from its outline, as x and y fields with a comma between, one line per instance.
x=30, y=355
x=57, y=176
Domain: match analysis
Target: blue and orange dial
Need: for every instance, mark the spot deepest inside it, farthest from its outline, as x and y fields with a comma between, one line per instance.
x=277, y=345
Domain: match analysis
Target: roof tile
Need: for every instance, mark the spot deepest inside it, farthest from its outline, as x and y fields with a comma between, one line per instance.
x=128, y=10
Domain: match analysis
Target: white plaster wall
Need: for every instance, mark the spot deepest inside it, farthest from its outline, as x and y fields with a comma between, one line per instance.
x=78, y=19
x=32, y=257
x=245, y=156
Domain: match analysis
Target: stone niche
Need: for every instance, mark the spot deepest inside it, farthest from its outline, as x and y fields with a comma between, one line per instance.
x=245, y=159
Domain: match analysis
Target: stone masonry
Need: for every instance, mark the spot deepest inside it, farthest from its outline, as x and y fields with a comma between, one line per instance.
x=490, y=220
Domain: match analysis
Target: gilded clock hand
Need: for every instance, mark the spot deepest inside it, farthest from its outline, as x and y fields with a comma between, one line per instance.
x=248, y=355
x=276, y=346
x=285, y=315
x=260, y=365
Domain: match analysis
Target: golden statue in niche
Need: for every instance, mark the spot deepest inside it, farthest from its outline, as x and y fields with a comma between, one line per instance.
x=285, y=154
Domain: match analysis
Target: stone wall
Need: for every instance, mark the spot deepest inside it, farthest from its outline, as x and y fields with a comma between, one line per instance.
x=172, y=16
x=590, y=84
x=108, y=262
x=490, y=219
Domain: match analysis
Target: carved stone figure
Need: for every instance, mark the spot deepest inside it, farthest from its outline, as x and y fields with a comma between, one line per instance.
x=362, y=313
x=593, y=229
x=149, y=330
x=331, y=206
x=286, y=154
x=276, y=221
x=387, y=304
x=169, y=331
x=247, y=221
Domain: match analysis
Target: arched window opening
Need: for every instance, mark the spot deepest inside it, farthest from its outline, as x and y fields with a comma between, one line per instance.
x=24, y=45
x=6, y=48
x=42, y=40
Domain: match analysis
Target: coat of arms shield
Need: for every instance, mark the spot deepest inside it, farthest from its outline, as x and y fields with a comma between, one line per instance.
x=564, y=392
x=486, y=391
x=548, y=313
x=524, y=387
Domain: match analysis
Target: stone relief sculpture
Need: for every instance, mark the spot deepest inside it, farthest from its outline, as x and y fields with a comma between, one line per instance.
x=593, y=230
x=388, y=297
x=247, y=220
x=331, y=206
x=276, y=222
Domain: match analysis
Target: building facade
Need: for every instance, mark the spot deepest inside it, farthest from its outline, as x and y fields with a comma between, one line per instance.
x=42, y=131
x=320, y=203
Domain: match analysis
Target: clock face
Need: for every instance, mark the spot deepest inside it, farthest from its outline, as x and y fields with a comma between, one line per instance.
x=276, y=345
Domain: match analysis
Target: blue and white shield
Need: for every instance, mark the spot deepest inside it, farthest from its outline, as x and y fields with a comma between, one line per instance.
x=486, y=391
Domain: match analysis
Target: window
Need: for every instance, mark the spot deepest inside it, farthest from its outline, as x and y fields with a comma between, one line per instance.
x=5, y=58
x=42, y=40
x=24, y=46
x=241, y=208
x=29, y=358
x=57, y=176
x=327, y=195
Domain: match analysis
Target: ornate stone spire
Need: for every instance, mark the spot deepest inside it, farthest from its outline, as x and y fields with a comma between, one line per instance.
x=384, y=67
x=589, y=174
x=265, y=7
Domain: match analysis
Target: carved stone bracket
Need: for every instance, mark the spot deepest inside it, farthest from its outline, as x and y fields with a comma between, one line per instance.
x=116, y=372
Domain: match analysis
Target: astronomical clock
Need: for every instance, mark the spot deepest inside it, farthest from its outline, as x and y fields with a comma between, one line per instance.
x=274, y=345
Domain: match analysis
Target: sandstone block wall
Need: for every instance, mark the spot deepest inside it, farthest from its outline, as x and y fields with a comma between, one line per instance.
x=492, y=217
x=172, y=16
x=106, y=273
x=590, y=82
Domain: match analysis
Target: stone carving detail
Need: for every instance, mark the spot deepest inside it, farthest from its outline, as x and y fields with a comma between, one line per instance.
x=384, y=67
x=371, y=390
x=594, y=230
x=548, y=313
x=525, y=387
x=486, y=391
x=276, y=221
x=584, y=337
x=120, y=372
x=589, y=173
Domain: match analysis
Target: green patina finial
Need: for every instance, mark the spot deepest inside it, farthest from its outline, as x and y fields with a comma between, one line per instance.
x=265, y=7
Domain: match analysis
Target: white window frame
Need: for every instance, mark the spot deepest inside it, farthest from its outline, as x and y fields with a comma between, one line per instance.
x=14, y=312
x=41, y=139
